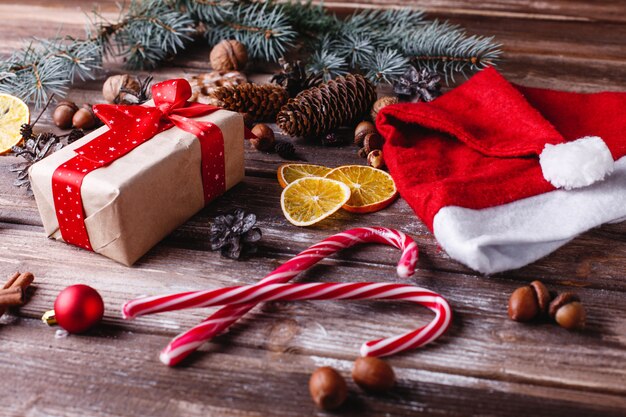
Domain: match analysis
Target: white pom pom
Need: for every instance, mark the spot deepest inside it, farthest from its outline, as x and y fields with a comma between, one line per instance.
x=576, y=164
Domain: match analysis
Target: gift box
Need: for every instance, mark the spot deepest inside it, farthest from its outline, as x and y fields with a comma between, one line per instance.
x=121, y=189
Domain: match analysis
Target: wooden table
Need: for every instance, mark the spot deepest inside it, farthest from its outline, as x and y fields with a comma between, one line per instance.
x=485, y=365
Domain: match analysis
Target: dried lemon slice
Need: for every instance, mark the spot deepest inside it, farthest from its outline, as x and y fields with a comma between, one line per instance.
x=309, y=200
x=13, y=114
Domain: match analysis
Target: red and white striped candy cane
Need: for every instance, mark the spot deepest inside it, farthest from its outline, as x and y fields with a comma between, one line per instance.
x=252, y=294
x=187, y=342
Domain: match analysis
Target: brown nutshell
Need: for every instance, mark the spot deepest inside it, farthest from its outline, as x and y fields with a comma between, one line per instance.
x=328, y=388
x=571, y=316
x=63, y=114
x=375, y=159
x=84, y=118
x=228, y=55
x=561, y=300
x=373, y=374
x=362, y=130
x=523, y=304
x=381, y=103
x=112, y=89
x=264, y=140
x=372, y=142
x=543, y=295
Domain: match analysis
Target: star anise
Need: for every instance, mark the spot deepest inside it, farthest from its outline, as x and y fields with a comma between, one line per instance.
x=295, y=78
x=234, y=233
x=423, y=84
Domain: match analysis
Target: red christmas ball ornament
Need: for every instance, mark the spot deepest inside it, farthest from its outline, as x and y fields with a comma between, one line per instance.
x=78, y=307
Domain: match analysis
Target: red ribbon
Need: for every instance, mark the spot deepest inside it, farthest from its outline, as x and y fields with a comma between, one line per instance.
x=129, y=127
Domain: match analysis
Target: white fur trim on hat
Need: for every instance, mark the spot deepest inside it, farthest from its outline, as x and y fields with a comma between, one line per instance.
x=576, y=164
x=512, y=235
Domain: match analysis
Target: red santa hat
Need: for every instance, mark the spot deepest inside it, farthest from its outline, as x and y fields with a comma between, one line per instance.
x=504, y=174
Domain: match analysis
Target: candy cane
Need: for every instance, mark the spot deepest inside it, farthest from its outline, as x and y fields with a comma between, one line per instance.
x=248, y=294
x=187, y=342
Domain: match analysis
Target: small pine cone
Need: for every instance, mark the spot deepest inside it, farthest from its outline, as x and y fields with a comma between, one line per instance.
x=319, y=110
x=261, y=102
x=285, y=149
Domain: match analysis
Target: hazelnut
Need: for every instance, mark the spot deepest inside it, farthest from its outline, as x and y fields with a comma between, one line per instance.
x=380, y=103
x=228, y=55
x=528, y=302
x=362, y=129
x=264, y=140
x=119, y=89
x=84, y=118
x=373, y=374
x=372, y=142
x=63, y=113
x=568, y=311
x=375, y=159
x=328, y=388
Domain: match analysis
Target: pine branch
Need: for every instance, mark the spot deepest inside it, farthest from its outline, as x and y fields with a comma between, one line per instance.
x=264, y=29
x=447, y=49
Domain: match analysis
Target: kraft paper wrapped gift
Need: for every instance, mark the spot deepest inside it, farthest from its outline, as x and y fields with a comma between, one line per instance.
x=134, y=201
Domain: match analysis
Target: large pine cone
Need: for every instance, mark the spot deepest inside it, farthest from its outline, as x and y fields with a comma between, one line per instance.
x=261, y=102
x=340, y=102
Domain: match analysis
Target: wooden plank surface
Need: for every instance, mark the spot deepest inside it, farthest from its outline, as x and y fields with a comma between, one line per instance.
x=485, y=365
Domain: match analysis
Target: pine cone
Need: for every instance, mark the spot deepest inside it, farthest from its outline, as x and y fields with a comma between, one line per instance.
x=285, y=149
x=422, y=85
x=234, y=233
x=262, y=102
x=319, y=110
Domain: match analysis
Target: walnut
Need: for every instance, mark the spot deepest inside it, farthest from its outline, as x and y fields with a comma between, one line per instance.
x=228, y=55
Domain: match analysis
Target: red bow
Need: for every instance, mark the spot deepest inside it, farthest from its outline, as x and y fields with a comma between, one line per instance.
x=129, y=127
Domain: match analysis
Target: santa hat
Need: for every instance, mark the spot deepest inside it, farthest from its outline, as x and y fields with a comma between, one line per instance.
x=502, y=174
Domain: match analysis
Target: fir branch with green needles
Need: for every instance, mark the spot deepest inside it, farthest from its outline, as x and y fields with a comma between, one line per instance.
x=381, y=44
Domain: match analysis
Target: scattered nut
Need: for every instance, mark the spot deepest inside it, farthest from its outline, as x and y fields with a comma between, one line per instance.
x=264, y=140
x=114, y=86
x=228, y=55
x=380, y=103
x=373, y=374
x=63, y=114
x=361, y=153
x=543, y=296
x=375, y=159
x=361, y=130
x=372, y=142
x=523, y=304
x=84, y=118
x=568, y=311
x=327, y=387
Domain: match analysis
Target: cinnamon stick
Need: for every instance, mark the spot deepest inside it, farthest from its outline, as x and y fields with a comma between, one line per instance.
x=13, y=290
x=13, y=296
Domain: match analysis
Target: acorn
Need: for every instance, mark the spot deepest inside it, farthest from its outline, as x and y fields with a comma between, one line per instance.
x=264, y=140
x=84, y=118
x=373, y=374
x=363, y=129
x=328, y=388
x=228, y=55
x=63, y=114
x=568, y=311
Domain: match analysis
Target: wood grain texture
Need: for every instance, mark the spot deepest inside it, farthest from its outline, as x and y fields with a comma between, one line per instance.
x=485, y=365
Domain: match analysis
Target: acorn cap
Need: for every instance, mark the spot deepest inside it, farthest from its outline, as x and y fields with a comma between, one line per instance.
x=543, y=295
x=561, y=300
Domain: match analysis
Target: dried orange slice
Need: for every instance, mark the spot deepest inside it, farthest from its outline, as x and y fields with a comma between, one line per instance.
x=288, y=173
x=13, y=114
x=309, y=200
x=371, y=189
